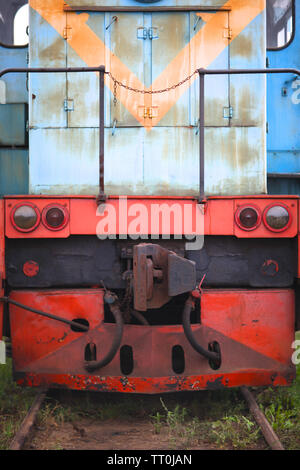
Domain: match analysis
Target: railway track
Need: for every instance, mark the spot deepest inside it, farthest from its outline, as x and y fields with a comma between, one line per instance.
x=28, y=423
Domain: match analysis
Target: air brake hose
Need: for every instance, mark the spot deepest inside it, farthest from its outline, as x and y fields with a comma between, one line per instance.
x=110, y=299
x=186, y=322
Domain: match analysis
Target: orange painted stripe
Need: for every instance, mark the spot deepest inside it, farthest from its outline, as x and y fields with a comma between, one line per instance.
x=202, y=50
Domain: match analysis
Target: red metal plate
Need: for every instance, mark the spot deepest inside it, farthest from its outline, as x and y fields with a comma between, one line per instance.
x=255, y=330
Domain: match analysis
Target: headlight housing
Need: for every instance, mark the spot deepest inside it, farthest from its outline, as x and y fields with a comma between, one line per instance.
x=277, y=217
x=25, y=217
x=248, y=217
x=55, y=217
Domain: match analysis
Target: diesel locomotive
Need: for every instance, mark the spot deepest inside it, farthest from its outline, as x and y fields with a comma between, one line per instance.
x=149, y=184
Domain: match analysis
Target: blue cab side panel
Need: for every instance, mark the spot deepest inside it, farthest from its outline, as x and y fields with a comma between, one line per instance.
x=283, y=105
x=13, y=117
x=13, y=171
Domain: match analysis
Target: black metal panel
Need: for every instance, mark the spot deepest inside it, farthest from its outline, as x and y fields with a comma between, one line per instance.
x=86, y=261
x=232, y=262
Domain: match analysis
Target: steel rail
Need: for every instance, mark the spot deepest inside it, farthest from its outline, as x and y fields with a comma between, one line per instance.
x=28, y=422
x=266, y=428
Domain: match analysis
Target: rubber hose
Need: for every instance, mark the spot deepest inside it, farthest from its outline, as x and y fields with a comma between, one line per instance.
x=139, y=317
x=186, y=322
x=93, y=365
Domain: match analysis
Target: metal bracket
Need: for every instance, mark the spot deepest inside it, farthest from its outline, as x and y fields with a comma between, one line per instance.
x=152, y=32
x=68, y=105
x=142, y=33
x=228, y=112
x=67, y=32
x=145, y=33
x=227, y=34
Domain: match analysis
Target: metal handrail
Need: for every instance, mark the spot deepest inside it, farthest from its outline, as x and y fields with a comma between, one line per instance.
x=101, y=69
x=202, y=73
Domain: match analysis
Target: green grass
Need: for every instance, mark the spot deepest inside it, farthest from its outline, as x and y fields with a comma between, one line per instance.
x=218, y=419
x=282, y=408
x=14, y=405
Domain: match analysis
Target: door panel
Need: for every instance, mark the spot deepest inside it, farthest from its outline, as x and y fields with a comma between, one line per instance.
x=83, y=88
x=47, y=91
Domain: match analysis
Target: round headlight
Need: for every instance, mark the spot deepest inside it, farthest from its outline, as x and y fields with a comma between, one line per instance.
x=55, y=217
x=248, y=217
x=25, y=217
x=277, y=218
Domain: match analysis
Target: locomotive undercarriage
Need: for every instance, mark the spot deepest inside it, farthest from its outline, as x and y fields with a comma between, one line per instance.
x=145, y=327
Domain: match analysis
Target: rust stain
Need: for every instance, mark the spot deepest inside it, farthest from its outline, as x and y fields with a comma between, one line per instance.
x=88, y=46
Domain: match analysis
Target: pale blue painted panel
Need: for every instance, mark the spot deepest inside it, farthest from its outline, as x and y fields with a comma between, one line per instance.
x=15, y=84
x=248, y=92
x=47, y=92
x=233, y=163
x=69, y=162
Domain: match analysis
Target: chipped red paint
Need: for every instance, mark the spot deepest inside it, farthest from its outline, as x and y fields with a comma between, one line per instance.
x=255, y=343
x=219, y=215
x=2, y=262
x=153, y=385
x=31, y=268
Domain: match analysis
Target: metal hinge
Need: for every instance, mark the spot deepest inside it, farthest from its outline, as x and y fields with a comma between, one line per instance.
x=68, y=104
x=227, y=33
x=144, y=33
x=67, y=32
x=227, y=112
x=149, y=112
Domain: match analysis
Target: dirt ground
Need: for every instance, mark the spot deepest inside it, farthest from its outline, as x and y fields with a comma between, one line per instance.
x=114, y=435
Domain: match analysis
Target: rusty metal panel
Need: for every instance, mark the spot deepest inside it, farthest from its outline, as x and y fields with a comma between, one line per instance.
x=133, y=3
x=234, y=163
x=248, y=93
x=205, y=52
x=46, y=91
x=68, y=164
x=171, y=161
x=125, y=44
x=83, y=88
x=171, y=35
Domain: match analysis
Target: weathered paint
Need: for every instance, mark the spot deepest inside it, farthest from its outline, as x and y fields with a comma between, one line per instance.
x=47, y=92
x=13, y=117
x=2, y=263
x=283, y=138
x=15, y=84
x=219, y=216
x=169, y=142
x=255, y=344
x=136, y=4
x=13, y=171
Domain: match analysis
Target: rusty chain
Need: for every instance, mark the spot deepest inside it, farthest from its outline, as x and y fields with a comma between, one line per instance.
x=117, y=83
